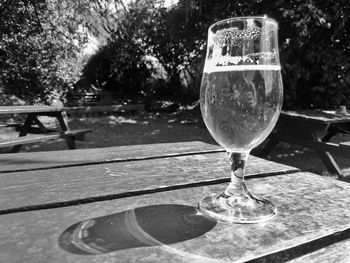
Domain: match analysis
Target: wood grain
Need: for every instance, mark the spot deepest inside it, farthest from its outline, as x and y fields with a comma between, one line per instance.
x=64, y=158
x=165, y=227
x=90, y=183
x=28, y=109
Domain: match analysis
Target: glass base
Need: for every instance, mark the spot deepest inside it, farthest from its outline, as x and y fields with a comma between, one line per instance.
x=241, y=208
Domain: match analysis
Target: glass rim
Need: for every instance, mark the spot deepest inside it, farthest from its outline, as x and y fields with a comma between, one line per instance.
x=264, y=17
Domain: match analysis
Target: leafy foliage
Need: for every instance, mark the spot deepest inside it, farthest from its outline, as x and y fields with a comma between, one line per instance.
x=314, y=44
x=316, y=53
x=40, y=42
x=37, y=50
x=119, y=65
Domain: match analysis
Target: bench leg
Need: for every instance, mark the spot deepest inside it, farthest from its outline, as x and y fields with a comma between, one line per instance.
x=330, y=134
x=40, y=125
x=326, y=157
x=70, y=140
x=62, y=119
x=329, y=162
x=24, y=130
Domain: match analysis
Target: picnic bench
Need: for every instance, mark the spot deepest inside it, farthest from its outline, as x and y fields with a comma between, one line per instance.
x=33, y=130
x=138, y=204
x=313, y=129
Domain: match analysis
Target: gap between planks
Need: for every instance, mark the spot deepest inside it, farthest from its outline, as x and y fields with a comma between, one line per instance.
x=303, y=249
x=111, y=161
x=109, y=197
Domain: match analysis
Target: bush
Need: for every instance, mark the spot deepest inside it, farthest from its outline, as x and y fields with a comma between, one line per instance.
x=37, y=51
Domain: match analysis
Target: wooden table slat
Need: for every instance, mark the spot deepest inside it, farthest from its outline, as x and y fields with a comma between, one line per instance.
x=55, y=187
x=165, y=227
x=28, y=109
x=326, y=116
x=63, y=158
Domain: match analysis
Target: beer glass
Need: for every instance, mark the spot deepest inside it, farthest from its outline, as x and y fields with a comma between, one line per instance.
x=240, y=99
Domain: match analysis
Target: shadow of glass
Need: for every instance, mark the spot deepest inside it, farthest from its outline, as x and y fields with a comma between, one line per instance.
x=140, y=227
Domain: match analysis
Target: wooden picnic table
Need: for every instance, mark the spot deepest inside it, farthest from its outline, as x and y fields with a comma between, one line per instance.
x=313, y=129
x=139, y=205
x=36, y=128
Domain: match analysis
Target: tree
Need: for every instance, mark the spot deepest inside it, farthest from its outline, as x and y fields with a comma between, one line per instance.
x=38, y=47
x=41, y=40
x=315, y=53
x=314, y=44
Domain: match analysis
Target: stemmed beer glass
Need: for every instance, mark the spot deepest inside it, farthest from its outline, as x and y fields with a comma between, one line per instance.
x=240, y=99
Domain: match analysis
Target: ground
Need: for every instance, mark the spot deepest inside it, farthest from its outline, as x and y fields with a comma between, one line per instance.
x=183, y=125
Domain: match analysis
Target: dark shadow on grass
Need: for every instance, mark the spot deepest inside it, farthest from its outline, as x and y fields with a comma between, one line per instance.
x=146, y=226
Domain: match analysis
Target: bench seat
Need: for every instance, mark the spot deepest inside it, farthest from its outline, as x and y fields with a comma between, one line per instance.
x=345, y=144
x=10, y=125
x=32, y=138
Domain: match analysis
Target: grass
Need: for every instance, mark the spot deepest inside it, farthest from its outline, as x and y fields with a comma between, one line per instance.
x=183, y=125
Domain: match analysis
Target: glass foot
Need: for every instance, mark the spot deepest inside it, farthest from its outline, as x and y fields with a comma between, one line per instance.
x=242, y=208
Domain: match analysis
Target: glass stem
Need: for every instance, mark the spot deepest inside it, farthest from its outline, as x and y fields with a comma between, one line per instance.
x=237, y=185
